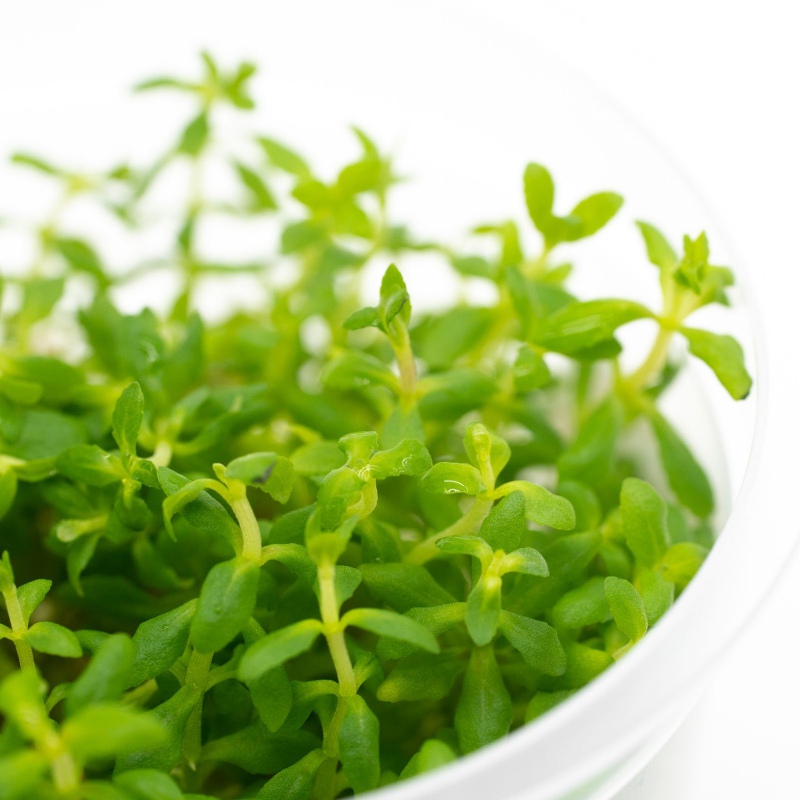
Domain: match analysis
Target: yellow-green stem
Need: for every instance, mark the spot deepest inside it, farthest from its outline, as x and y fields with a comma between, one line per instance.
x=19, y=626
x=251, y=533
x=329, y=610
x=653, y=364
x=468, y=524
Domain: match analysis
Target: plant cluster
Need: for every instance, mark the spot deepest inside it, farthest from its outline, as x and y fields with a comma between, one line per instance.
x=242, y=560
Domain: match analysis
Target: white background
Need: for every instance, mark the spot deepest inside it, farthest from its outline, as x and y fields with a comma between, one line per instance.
x=717, y=84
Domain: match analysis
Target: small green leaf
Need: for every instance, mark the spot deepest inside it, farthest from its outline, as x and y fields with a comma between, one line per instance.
x=505, y=525
x=404, y=586
x=278, y=647
x=271, y=473
x=537, y=642
x=359, y=745
x=725, y=356
x=539, y=197
x=526, y=561
x=420, y=676
x=432, y=755
x=542, y=702
x=686, y=477
x=541, y=506
x=449, y=478
x=106, y=677
x=681, y=562
x=530, y=370
x=283, y=158
x=104, y=730
x=159, y=642
x=317, y=458
x=484, y=713
x=30, y=596
x=392, y=625
x=659, y=250
x=483, y=610
x=408, y=457
x=395, y=301
x=8, y=490
x=368, y=317
x=90, y=464
x=627, y=607
x=295, y=782
x=644, y=521
x=657, y=593
x=586, y=605
x=356, y=370
x=226, y=603
x=127, y=419
x=148, y=784
x=53, y=639
x=595, y=211
x=466, y=545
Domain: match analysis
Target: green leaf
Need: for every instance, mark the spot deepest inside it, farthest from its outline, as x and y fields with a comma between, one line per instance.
x=432, y=755
x=644, y=521
x=595, y=211
x=395, y=301
x=278, y=647
x=30, y=596
x=483, y=610
x=505, y=525
x=259, y=195
x=627, y=607
x=258, y=751
x=530, y=370
x=449, y=478
x=420, y=676
x=195, y=135
x=404, y=586
x=437, y=619
x=104, y=730
x=127, y=419
x=90, y=464
x=484, y=713
x=356, y=370
x=725, y=356
x=53, y=639
x=586, y=605
x=226, y=603
x=272, y=697
x=466, y=545
x=541, y=506
x=393, y=625
x=359, y=745
x=659, y=250
x=317, y=458
x=543, y=702
x=582, y=325
x=283, y=158
x=295, y=782
x=681, y=562
x=148, y=784
x=539, y=197
x=368, y=317
x=271, y=473
x=159, y=642
x=408, y=457
x=657, y=593
x=526, y=561
x=686, y=477
x=447, y=396
x=537, y=642
x=161, y=749
x=106, y=677
x=21, y=774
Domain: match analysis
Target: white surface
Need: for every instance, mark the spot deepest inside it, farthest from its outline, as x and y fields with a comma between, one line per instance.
x=716, y=84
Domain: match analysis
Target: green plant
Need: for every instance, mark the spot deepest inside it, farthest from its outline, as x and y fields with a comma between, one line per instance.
x=263, y=563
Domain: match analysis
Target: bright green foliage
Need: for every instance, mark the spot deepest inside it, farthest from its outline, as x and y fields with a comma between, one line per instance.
x=308, y=548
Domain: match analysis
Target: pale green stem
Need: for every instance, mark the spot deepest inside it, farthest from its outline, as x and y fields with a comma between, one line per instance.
x=162, y=454
x=467, y=525
x=197, y=676
x=251, y=533
x=19, y=626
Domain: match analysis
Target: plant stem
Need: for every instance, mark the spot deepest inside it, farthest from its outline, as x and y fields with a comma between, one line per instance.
x=329, y=610
x=197, y=676
x=468, y=524
x=19, y=626
x=162, y=454
x=251, y=533
x=654, y=362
